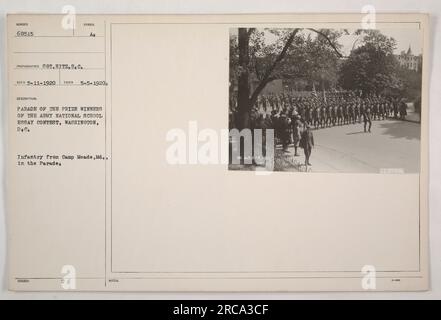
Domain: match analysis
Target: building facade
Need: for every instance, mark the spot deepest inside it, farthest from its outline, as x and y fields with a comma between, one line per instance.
x=409, y=60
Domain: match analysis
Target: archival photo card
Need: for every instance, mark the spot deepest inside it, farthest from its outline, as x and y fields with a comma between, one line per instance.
x=168, y=152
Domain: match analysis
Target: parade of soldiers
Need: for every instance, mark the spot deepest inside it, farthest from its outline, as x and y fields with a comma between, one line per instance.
x=290, y=115
x=284, y=112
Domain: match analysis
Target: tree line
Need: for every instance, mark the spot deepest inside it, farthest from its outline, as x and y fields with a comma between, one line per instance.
x=315, y=55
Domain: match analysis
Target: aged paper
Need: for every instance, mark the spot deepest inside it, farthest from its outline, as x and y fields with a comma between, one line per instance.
x=111, y=186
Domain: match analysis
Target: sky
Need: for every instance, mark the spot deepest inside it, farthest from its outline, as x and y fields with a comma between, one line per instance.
x=404, y=37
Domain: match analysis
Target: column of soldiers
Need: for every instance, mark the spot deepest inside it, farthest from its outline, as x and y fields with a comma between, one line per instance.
x=290, y=115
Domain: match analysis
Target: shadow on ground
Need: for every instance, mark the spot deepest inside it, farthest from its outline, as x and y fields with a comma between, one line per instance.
x=357, y=132
x=401, y=129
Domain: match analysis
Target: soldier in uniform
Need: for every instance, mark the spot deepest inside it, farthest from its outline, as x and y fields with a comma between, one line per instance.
x=328, y=116
x=339, y=115
x=395, y=107
x=345, y=113
x=375, y=111
x=302, y=111
x=315, y=117
x=381, y=111
x=307, y=143
x=323, y=116
x=367, y=117
x=309, y=114
x=296, y=125
x=403, y=110
x=387, y=109
x=333, y=114
x=357, y=113
x=350, y=113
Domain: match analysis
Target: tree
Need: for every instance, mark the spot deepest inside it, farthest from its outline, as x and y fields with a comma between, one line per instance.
x=371, y=67
x=321, y=63
x=285, y=57
x=245, y=98
x=410, y=83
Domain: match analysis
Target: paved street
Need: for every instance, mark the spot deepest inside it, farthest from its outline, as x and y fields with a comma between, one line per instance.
x=391, y=145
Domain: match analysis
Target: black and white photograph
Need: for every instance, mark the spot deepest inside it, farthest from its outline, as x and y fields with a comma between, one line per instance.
x=325, y=100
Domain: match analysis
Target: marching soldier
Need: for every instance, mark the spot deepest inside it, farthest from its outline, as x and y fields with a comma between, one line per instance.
x=323, y=116
x=403, y=110
x=333, y=114
x=296, y=126
x=315, y=117
x=328, y=116
x=350, y=113
x=357, y=113
x=367, y=117
x=309, y=114
x=307, y=143
x=339, y=115
x=381, y=111
x=345, y=113
x=375, y=111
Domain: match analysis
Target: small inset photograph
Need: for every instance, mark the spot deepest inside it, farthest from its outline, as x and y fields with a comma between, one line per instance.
x=325, y=100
